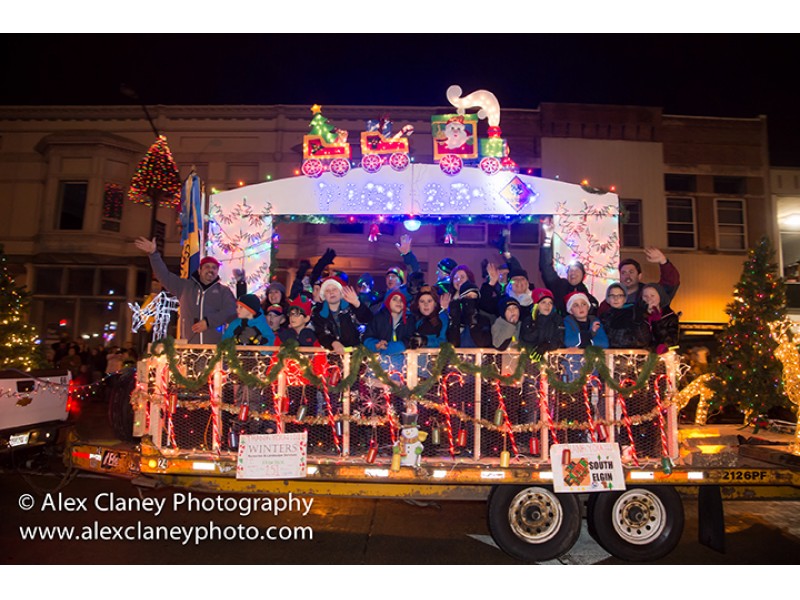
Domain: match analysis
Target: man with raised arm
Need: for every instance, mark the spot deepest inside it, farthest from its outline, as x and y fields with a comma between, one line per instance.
x=561, y=286
x=206, y=305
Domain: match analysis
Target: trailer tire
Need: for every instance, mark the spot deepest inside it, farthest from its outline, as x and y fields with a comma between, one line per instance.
x=640, y=524
x=533, y=523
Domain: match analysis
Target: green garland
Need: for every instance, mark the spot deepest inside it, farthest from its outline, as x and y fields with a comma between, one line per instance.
x=593, y=361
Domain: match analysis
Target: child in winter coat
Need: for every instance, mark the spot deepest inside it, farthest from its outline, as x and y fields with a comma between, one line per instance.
x=544, y=331
x=431, y=319
x=506, y=328
x=662, y=319
x=581, y=329
x=250, y=328
x=389, y=330
x=624, y=322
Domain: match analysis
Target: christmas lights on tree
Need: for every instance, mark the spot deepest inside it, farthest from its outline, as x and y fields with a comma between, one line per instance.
x=18, y=348
x=749, y=375
x=157, y=176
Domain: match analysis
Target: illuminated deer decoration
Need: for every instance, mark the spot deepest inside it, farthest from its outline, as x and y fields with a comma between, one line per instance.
x=158, y=311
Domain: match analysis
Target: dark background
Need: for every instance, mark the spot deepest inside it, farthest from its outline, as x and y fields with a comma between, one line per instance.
x=726, y=75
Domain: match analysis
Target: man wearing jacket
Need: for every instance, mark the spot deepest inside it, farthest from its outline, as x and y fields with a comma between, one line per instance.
x=206, y=305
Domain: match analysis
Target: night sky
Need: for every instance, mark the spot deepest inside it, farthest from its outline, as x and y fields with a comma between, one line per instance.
x=700, y=74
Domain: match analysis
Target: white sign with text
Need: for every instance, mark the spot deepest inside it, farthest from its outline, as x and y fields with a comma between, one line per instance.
x=587, y=468
x=273, y=456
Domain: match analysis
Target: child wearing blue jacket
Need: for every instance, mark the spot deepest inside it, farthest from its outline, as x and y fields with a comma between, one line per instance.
x=250, y=328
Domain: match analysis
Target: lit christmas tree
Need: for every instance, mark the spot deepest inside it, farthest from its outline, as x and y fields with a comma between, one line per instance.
x=321, y=126
x=157, y=175
x=748, y=373
x=18, y=349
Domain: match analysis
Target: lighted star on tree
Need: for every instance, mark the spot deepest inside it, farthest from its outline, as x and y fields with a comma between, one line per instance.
x=18, y=349
x=748, y=373
x=157, y=175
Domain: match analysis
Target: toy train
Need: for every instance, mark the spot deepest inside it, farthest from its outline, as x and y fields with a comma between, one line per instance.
x=455, y=141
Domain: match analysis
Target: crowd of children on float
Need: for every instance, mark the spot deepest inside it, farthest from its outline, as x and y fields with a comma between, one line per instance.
x=500, y=311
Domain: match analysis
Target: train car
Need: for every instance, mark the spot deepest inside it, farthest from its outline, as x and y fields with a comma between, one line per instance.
x=379, y=146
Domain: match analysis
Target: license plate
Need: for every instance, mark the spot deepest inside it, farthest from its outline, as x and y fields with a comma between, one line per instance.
x=19, y=439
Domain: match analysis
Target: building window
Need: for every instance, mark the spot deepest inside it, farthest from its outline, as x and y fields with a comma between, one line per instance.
x=72, y=204
x=680, y=222
x=524, y=234
x=735, y=186
x=471, y=234
x=347, y=228
x=630, y=224
x=676, y=182
x=113, y=200
x=731, y=233
x=48, y=280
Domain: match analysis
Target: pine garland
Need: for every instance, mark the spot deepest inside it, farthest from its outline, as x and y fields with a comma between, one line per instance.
x=593, y=361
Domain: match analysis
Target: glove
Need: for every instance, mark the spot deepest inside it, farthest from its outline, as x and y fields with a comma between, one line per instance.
x=328, y=257
x=501, y=243
x=417, y=341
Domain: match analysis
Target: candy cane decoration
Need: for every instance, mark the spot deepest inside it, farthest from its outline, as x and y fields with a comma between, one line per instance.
x=544, y=407
x=592, y=380
x=446, y=400
x=506, y=421
x=277, y=400
x=215, y=384
x=662, y=429
x=331, y=420
x=627, y=420
x=389, y=414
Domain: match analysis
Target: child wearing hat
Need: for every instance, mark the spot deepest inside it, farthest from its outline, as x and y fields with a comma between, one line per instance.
x=276, y=318
x=250, y=327
x=581, y=329
x=544, y=331
x=337, y=317
x=506, y=327
x=389, y=330
x=298, y=328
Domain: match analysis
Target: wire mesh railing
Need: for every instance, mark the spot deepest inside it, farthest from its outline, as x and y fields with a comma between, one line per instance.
x=474, y=404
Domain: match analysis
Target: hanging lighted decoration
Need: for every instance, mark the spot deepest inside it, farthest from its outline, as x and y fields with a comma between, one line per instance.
x=240, y=236
x=379, y=146
x=325, y=147
x=156, y=313
x=455, y=136
x=156, y=175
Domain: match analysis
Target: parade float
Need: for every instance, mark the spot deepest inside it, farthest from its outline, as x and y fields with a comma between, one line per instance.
x=533, y=435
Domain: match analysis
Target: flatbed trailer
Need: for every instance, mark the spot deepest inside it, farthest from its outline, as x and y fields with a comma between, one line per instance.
x=527, y=517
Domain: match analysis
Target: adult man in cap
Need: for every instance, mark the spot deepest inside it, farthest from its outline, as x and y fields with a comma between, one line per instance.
x=206, y=305
x=562, y=286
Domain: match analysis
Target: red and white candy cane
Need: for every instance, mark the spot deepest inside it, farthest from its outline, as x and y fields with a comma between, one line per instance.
x=331, y=419
x=544, y=407
x=387, y=397
x=215, y=384
x=662, y=429
x=627, y=420
x=277, y=405
x=446, y=401
x=506, y=421
x=591, y=381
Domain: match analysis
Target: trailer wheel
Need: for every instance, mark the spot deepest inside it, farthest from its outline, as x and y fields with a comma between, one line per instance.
x=639, y=524
x=533, y=523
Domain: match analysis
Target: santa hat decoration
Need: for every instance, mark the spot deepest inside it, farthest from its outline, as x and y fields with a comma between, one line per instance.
x=574, y=297
x=330, y=281
x=251, y=303
x=303, y=303
x=539, y=294
x=209, y=259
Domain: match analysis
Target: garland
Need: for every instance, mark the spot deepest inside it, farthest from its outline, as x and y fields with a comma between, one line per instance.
x=594, y=361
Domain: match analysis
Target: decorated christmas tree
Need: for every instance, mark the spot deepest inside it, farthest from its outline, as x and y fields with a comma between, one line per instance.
x=157, y=177
x=749, y=376
x=321, y=126
x=18, y=349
